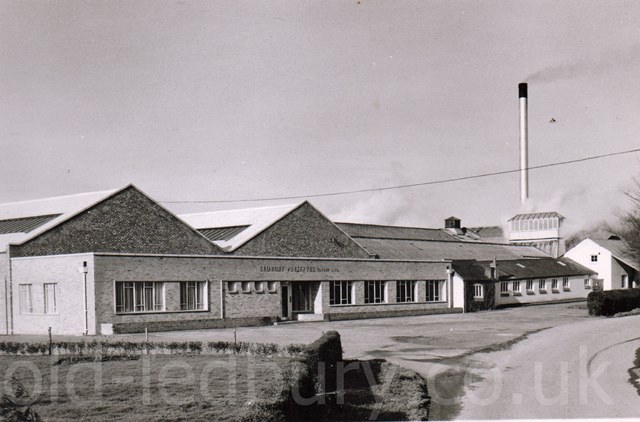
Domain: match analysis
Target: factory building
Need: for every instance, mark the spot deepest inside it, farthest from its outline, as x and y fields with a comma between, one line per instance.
x=118, y=261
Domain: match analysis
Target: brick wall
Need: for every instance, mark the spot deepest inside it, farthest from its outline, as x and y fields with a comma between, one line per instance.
x=126, y=222
x=242, y=308
x=489, y=296
x=305, y=232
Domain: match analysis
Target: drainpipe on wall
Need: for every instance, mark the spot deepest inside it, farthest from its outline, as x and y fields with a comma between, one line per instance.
x=221, y=299
x=85, y=270
x=10, y=308
x=450, y=274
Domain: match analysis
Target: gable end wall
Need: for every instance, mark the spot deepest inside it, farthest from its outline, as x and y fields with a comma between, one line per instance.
x=128, y=222
x=303, y=233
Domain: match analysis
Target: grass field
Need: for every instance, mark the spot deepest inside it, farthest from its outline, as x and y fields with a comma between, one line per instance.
x=153, y=388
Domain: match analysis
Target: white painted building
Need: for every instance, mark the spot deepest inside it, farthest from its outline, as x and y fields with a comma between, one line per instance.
x=605, y=257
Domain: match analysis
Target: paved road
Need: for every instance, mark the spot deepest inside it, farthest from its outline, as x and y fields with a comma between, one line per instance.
x=576, y=370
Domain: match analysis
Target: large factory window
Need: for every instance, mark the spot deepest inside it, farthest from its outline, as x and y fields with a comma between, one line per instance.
x=139, y=296
x=406, y=291
x=374, y=292
x=341, y=293
x=434, y=290
x=193, y=296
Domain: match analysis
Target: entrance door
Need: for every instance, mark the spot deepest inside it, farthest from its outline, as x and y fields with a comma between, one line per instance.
x=301, y=293
x=286, y=301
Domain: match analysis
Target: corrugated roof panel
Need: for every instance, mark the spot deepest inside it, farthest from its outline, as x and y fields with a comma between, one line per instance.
x=392, y=232
x=24, y=225
x=222, y=233
x=536, y=215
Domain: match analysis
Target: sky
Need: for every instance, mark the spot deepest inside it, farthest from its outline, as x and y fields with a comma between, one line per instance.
x=234, y=100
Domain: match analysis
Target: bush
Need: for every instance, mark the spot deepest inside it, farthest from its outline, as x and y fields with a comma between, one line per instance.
x=327, y=350
x=611, y=302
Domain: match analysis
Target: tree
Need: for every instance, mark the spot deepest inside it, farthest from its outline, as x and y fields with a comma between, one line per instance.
x=629, y=225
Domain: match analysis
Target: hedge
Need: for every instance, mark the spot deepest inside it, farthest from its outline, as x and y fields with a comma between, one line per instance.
x=611, y=302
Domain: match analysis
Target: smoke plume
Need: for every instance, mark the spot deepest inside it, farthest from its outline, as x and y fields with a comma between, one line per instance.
x=608, y=62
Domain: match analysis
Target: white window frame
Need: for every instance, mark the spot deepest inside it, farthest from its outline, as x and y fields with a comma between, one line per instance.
x=49, y=307
x=542, y=285
x=379, y=290
x=408, y=289
x=26, y=299
x=554, y=284
x=594, y=258
x=196, y=290
x=434, y=291
x=478, y=291
x=529, y=285
x=138, y=291
x=515, y=286
x=504, y=287
x=341, y=293
x=587, y=283
x=566, y=283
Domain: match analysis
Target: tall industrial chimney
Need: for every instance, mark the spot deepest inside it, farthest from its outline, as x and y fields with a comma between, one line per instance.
x=524, y=144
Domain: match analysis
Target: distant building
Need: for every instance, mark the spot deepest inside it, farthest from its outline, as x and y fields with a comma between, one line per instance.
x=615, y=269
x=542, y=230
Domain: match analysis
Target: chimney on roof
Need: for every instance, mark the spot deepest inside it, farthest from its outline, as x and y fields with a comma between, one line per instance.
x=452, y=223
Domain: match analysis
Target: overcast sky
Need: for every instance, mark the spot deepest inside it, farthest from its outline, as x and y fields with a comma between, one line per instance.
x=224, y=100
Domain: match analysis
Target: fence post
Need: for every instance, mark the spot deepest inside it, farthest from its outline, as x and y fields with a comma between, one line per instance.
x=49, y=341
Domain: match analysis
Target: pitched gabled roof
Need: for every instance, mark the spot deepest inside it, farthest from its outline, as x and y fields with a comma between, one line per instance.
x=394, y=232
x=616, y=249
x=49, y=212
x=491, y=234
x=521, y=269
x=252, y=220
x=436, y=250
x=536, y=215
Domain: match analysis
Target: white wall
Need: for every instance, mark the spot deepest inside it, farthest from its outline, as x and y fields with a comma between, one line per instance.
x=66, y=271
x=458, y=291
x=576, y=290
x=581, y=253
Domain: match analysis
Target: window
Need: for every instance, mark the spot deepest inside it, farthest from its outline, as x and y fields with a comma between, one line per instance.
x=478, y=291
x=139, y=296
x=594, y=258
x=504, y=287
x=529, y=285
x=406, y=291
x=587, y=283
x=341, y=293
x=374, y=292
x=50, y=298
x=542, y=285
x=193, y=295
x=272, y=287
x=624, y=281
x=258, y=286
x=516, y=287
x=434, y=290
x=26, y=304
x=565, y=283
x=245, y=286
x=232, y=286
x=554, y=284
